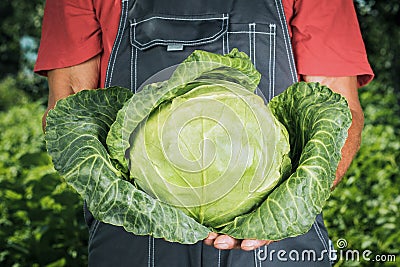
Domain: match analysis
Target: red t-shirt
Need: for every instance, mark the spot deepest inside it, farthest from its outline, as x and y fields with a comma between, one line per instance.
x=326, y=38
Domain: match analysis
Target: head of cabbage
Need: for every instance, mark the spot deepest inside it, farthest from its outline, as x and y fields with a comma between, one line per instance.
x=202, y=152
x=214, y=152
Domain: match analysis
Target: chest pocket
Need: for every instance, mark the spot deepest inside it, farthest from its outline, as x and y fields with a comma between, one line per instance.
x=159, y=42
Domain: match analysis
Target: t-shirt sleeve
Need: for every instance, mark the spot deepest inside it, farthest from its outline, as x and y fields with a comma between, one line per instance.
x=327, y=41
x=71, y=35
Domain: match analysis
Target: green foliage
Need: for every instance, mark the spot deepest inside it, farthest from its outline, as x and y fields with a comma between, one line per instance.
x=20, y=26
x=10, y=94
x=40, y=216
x=365, y=207
x=34, y=86
x=18, y=18
x=380, y=25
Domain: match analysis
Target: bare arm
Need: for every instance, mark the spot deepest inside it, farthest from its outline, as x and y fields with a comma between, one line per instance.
x=66, y=81
x=347, y=87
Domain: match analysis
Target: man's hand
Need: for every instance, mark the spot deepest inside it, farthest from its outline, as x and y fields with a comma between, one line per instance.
x=226, y=242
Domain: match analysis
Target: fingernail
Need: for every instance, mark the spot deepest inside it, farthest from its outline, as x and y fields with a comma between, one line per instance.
x=249, y=247
x=221, y=245
x=250, y=244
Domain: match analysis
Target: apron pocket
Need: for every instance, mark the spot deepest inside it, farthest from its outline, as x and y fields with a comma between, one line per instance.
x=176, y=32
x=159, y=42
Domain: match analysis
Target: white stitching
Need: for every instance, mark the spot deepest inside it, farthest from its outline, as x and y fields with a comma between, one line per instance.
x=133, y=67
x=161, y=41
x=117, y=44
x=132, y=86
x=250, y=46
x=224, y=17
x=187, y=44
x=224, y=24
x=272, y=41
x=289, y=51
x=93, y=232
x=320, y=236
x=149, y=255
x=247, y=32
x=168, y=42
x=153, y=251
x=274, y=61
x=219, y=258
x=227, y=41
x=223, y=45
x=270, y=67
x=136, y=70
x=254, y=44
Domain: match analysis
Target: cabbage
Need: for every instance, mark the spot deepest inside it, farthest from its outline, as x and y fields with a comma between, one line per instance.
x=214, y=152
x=201, y=152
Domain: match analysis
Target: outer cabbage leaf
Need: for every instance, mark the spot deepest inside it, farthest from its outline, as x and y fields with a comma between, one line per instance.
x=317, y=120
x=75, y=136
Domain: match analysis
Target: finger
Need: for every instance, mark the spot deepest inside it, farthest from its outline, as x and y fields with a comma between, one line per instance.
x=210, y=238
x=251, y=244
x=226, y=242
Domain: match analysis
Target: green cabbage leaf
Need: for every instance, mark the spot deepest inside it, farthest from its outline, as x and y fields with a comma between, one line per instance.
x=201, y=152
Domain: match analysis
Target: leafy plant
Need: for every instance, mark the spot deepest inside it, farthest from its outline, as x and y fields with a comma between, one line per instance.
x=10, y=95
x=40, y=216
x=89, y=134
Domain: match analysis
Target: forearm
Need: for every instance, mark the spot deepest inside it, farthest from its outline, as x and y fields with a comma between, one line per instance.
x=347, y=87
x=66, y=81
x=351, y=146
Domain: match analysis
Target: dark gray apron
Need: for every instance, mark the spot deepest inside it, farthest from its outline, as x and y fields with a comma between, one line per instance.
x=154, y=35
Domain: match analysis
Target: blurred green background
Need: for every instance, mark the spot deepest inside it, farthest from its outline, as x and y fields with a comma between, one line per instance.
x=41, y=218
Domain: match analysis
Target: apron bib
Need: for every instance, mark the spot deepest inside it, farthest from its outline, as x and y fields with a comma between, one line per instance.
x=155, y=35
